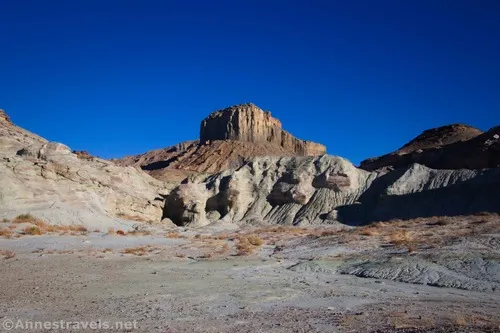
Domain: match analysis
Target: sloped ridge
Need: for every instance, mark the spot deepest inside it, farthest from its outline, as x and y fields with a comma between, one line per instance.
x=454, y=146
x=439, y=137
x=329, y=189
x=50, y=181
x=13, y=138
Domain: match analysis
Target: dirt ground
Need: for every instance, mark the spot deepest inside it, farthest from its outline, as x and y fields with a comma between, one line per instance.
x=426, y=275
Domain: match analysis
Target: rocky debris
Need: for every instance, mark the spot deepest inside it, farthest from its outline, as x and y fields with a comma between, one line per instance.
x=329, y=189
x=47, y=180
x=249, y=123
x=13, y=138
x=4, y=117
x=228, y=139
x=83, y=154
x=454, y=146
x=470, y=273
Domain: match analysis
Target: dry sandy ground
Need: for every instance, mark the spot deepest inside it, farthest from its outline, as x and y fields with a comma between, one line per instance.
x=386, y=278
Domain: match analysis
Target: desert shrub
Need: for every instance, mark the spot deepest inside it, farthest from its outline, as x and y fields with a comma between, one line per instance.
x=7, y=254
x=175, y=234
x=22, y=218
x=138, y=251
x=255, y=240
x=6, y=233
x=33, y=230
x=207, y=255
x=244, y=249
x=247, y=244
x=139, y=233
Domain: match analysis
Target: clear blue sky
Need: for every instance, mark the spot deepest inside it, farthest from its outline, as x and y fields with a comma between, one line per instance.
x=119, y=77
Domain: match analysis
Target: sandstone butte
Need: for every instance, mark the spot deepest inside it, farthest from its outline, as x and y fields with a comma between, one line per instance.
x=228, y=138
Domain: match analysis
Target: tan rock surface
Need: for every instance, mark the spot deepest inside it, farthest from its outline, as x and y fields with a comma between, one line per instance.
x=228, y=138
x=249, y=123
x=47, y=180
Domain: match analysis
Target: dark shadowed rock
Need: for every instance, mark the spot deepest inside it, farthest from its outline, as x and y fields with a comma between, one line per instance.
x=449, y=147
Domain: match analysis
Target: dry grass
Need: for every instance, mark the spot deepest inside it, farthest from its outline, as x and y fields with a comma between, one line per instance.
x=460, y=320
x=41, y=227
x=247, y=244
x=327, y=233
x=33, y=230
x=370, y=231
x=175, y=234
x=222, y=236
x=124, y=216
x=401, y=237
x=244, y=249
x=207, y=255
x=6, y=233
x=23, y=218
x=282, y=229
x=139, y=233
x=5, y=220
x=255, y=240
x=7, y=254
x=138, y=251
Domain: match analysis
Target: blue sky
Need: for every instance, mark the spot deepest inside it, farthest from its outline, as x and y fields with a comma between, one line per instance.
x=119, y=77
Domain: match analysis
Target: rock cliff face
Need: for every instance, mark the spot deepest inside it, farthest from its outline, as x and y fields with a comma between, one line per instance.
x=49, y=181
x=248, y=123
x=454, y=146
x=329, y=189
x=228, y=138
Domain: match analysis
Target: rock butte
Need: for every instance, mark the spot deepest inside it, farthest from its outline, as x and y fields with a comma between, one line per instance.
x=65, y=187
x=228, y=138
x=249, y=123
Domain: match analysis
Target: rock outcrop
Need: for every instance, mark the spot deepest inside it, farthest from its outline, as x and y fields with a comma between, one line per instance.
x=249, y=123
x=329, y=189
x=4, y=117
x=449, y=147
x=228, y=139
x=49, y=181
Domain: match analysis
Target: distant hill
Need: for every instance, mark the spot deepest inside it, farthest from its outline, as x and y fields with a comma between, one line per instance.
x=455, y=146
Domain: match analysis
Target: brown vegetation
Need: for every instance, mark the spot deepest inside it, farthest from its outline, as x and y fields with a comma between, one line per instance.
x=138, y=251
x=7, y=254
x=174, y=234
x=247, y=244
x=6, y=233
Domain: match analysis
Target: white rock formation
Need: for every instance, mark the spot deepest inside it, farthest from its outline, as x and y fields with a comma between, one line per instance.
x=47, y=180
x=326, y=189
